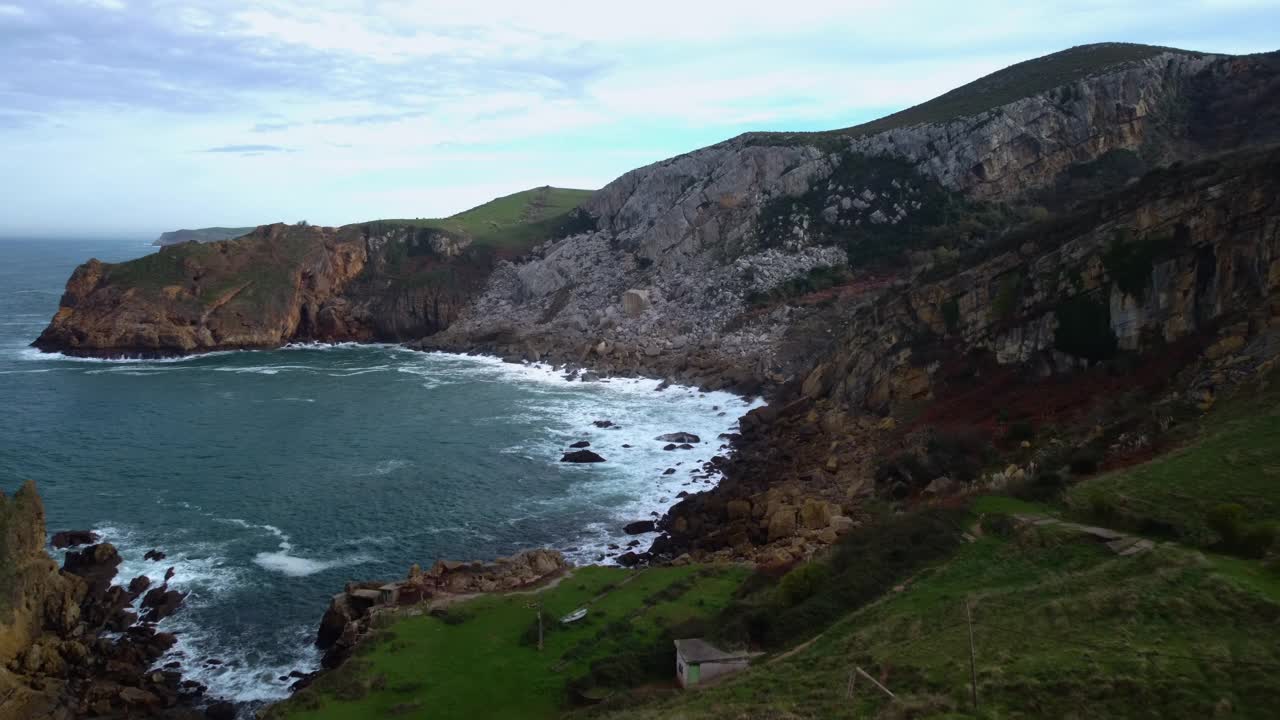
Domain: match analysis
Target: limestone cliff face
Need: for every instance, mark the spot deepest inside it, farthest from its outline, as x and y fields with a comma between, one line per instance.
x=701, y=234
x=1189, y=252
x=278, y=284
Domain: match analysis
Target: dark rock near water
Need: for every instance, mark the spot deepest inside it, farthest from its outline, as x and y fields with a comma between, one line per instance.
x=678, y=438
x=139, y=584
x=154, y=555
x=221, y=711
x=161, y=602
x=669, y=471
x=581, y=456
x=168, y=574
x=73, y=538
x=603, y=423
x=637, y=527
x=581, y=444
x=629, y=559
x=669, y=447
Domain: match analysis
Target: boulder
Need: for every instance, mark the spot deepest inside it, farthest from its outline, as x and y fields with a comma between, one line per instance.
x=635, y=303
x=940, y=486
x=139, y=584
x=782, y=523
x=153, y=555
x=669, y=447
x=161, y=602
x=841, y=524
x=638, y=527
x=815, y=514
x=73, y=538
x=581, y=456
x=580, y=444
x=738, y=509
x=628, y=559
x=603, y=423
x=678, y=438
x=221, y=711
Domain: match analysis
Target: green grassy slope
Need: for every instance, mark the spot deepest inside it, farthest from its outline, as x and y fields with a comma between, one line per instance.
x=511, y=221
x=1236, y=460
x=999, y=88
x=480, y=660
x=1062, y=626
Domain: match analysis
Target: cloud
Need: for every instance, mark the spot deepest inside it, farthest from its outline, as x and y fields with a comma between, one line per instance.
x=356, y=99
x=248, y=149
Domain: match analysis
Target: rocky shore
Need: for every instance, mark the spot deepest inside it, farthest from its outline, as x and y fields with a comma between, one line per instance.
x=353, y=612
x=75, y=644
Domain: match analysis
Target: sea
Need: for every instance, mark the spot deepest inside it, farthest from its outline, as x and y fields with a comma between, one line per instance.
x=272, y=478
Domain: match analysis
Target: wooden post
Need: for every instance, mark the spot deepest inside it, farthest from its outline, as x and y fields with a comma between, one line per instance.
x=539, y=627
x=973, y=666
x=874, y=681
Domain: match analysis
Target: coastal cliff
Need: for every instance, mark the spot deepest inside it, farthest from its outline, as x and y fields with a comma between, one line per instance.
x=1061, y=218
x=380, y=281
x=70, y=643
x=209, y=234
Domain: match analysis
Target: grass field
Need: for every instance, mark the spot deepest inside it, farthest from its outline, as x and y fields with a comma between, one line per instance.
x=511, y=221
x=1062, y=628
x=1236, y=459
x=480, y=660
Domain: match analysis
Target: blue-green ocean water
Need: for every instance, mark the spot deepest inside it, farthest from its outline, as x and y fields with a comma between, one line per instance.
x=272, y=478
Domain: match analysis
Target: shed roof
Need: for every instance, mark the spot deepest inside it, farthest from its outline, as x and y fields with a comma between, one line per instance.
x=697, y=650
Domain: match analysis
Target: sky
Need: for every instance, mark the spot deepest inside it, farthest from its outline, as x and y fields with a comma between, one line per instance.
x=139, y=116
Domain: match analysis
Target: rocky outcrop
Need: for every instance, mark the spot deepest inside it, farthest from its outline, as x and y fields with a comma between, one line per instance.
x=278, y=284
x=350, y=613
x=669, y=280
x=55, y=660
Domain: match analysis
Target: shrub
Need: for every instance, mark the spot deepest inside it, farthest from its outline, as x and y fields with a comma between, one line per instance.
x=998, y=525
x=865, y=563
x=803, y=582
x=1239, y=536
x=1101, y=507
x=1084, y=461
x=1227, y=520
x=1020, y=431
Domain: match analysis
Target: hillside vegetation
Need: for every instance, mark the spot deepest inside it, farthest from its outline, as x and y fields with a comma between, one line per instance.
x=1062, y=624
x=1015, y=82
x=509, y=222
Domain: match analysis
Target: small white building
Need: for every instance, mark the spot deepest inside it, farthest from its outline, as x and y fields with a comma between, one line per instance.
x=698, y=661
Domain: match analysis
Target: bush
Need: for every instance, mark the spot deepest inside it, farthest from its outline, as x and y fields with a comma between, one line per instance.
x=803, y=582
x=1084, y=461
x=866, y=563
x=1227, y=520
x=1240, y=537
x=1021, y=431
x=998, y=525
x=1101, y=507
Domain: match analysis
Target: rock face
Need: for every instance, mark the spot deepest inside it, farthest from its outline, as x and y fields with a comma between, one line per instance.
x=278, y=284
x=681, y=250
x=581, y=456
x=53, y=661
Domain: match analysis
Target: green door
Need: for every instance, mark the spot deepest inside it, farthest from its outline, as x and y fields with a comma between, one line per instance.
x=694, y=671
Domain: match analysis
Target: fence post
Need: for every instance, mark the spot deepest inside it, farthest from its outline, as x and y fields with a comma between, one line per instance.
x=973, y=666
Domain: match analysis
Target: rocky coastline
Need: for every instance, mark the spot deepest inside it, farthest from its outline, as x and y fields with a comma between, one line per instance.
x=75, y=644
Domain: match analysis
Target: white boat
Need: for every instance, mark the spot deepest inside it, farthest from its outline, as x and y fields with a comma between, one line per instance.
x=574, y=616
